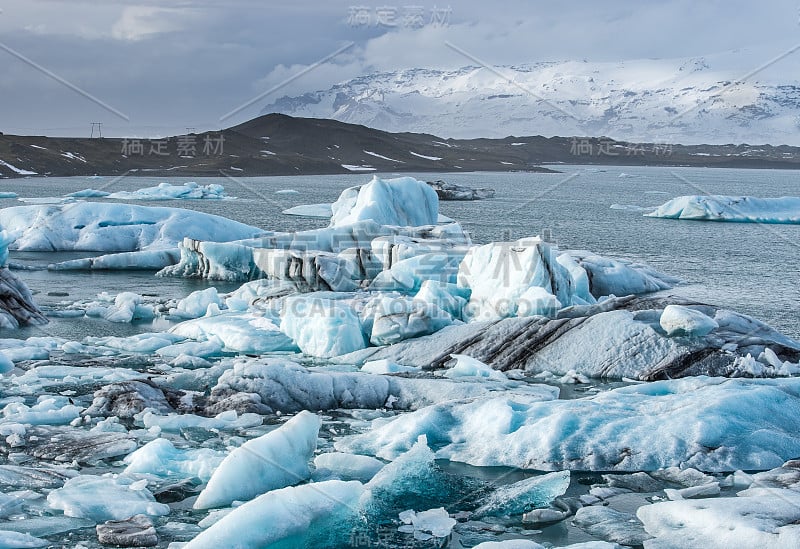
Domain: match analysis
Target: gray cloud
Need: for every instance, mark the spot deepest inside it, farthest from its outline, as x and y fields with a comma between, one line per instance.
x=173, y=64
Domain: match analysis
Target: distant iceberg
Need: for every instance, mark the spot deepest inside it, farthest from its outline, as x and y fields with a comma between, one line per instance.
x=166, y=191
x=743, y=209
x=91, y=226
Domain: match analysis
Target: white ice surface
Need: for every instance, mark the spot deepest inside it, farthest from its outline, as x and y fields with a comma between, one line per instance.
x=275, y=460
x=731, y=208
x=403, y=201
x=284, y=518
x=725, y=424
x=92, y=226
x=102, y=498
x=166, y=191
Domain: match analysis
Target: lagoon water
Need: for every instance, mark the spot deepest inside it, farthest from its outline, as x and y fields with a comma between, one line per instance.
x=752, y=268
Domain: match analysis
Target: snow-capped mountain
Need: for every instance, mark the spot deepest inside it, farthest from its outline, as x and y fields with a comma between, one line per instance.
x=708, y=99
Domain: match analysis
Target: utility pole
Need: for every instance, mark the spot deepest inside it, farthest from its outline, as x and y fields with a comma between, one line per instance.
x=99, y=129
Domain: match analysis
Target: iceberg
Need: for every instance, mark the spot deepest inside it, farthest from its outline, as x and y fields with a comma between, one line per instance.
x=16, y=301
x=91, y=226
x=319, y=514
x=145, y=260
x=452, y=191
x=198, y=303
x=239, y=332
x=433, y=522
x=285, y=386
x=166, y=191
x=89, y=193
x=161, y=458
x=468, y=367
x=520, y=497
x=275, y=460
x=404, y=202
x=616, y=338
x=102, y=498
x=722, y=427
x=766, y=519
x=322, y=327
x=346, y=466
x=744, y=209
x=680, y=320
x=18, y=540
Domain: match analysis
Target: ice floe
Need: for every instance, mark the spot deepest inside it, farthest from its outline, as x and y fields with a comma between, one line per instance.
x=721, y=428
x=92, y=226
x=275, y=460
x=166, y=191
x=731, y=208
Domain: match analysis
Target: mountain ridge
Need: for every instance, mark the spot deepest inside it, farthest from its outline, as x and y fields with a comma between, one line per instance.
x=277, y=144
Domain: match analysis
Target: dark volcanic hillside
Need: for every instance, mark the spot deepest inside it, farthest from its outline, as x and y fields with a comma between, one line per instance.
x=276, y=144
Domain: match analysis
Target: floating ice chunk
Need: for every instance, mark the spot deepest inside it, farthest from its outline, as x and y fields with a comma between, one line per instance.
x=148, y=342
x=403, y=201
x=408, y=275
x=346, y=466
x=397, y=318
x=448, y=297
x=17, y=540
x=9, y=504
x=731, y=208
x=197, y=304
x=434, y=522
x=502, y=274
x=16, y=301
x=205, y=349
x=386, y=367
x=165, y=191
x=610, y=524
x=467, y=367
x=759, y=521
x=242, y=332
x=288, y=387
x=160, y=457
x=92, y=226
x=104, y=498
x=520, y=497
x=287, y=191
x=89, y=193
x=8, y=194
x=415, y=480
x=136, y=531
x=615, y=276
x=6, y=365
x=631, y=428
x=127, y=308
x=279, y=458
x=679, y=320
x=146, y=260
x=322, y=327
x=223, y=421
x=189, y=362
x=48, y=410
x=311, y=515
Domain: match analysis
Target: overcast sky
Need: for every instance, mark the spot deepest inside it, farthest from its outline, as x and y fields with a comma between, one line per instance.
x=167, y=65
